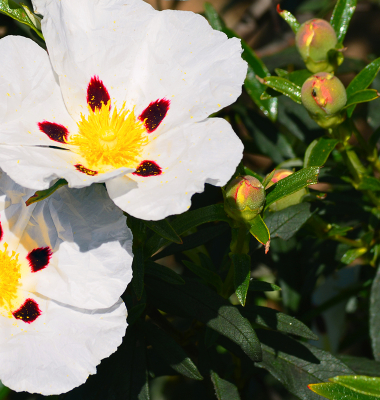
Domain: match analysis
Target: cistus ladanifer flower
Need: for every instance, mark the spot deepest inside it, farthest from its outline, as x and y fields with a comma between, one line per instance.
x=323, y=95
x=64, y=263
x=244, y=198
x=287, y=201
x=122, y=97
x=314, y=39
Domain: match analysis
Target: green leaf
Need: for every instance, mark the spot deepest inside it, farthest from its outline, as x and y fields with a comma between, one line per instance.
x=299, y=77
x=334, y=391
x=242, y=274
x=260, y=231
x=162, y=272
x=164, y=229
x=21, y=13
x=362, y=96
x=375, y=137
x=374, y=316
x=361, y=365
x=369, y=183
x=224, y=390
x=362, y=80
x=318, y=151
x=287, y=222
x=44, y=194
x=284, y=86
x=170, y=352
x=353, y=254
x=138, y=271
x=198, y=301
x=276, y=320
x=291, y=184
x=208, y=276
x=4, y=391
x=261, y=286
x=186, y=222
x=362, y=384
x=268, y=178
x=297, y=364
x=255, y=66
x=341, y=17
x=289, y=18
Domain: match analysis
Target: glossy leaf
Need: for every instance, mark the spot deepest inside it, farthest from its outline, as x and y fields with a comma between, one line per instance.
x=318, y=151
x=284, y=86
x=261, y=286
x=21, y=13
x=289, y=18
x=164, y=229
x=260, y=231
x=362, y=96
x=287, y=222
x=299, y=77
x=44, y=194
x=361, y=365
x=374, y=316
x=333, y=391
x=171, y=352
x=242, y=275
x=362, y=384
x=352, y=254
x=255, y=66
x=224, y=389
x=198, y=301
x=291, y=184
x=341, y=17
x=163, y=273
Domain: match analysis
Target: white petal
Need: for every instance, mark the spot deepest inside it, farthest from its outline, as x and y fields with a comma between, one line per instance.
x=60, y=349
x=206, y=152
x=142, y=55
x=29, y=94
x=91, y=244
x=36, y=167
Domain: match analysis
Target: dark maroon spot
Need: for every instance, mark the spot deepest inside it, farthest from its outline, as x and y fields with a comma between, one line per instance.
x=28, y=312
x=85, y=170
x=1, y=231
x=148, y=168
x=39, y=258
x=153, y=115
x=56, y=132
x=97, y=94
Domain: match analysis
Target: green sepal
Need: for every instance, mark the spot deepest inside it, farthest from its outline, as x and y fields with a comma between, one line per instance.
x=44, y=194
x=289, y=18
x=260, y=231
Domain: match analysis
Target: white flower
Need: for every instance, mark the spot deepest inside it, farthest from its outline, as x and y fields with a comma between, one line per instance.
x=127, y=91
x=64, y=262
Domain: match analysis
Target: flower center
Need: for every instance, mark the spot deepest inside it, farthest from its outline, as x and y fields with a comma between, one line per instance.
x=10, y=276
x=108, y=138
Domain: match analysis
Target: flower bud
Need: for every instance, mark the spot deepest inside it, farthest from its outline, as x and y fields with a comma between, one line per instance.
x=244, y=198
x=292, y=199
x=314, y=39
x=323, y=95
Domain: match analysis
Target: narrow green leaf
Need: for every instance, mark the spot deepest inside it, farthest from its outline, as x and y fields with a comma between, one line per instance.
x=291, y=184
x=209, y=276
x=369, y=183
x=162, y=272
x=242, y=274
x=374, y=316
x=362, y=384
x=44, y=194
x=198, y=301
x=289, y=18
x=255, y=66
x=171, y=352
x=333, y=391
x=362, y=80
x=260, y=231
x=135, y=312
x=287, y=222
x=268, y=178
x=261, y=286
x=138, y=271
x=341, y=17
x=350, y=255
x=21, y=13
x=224, y=390
x=284, y=86
x=361, y=365
x=164, y=229
x=318, y=151
x=362, y=96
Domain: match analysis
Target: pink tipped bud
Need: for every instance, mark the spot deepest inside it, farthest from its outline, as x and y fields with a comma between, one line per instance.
x=244, y=198
x=323, y=95
x=314, y=39
x=287, y=201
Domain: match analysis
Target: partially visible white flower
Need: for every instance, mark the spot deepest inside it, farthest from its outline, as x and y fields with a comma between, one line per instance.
x=64, y=262
x=127, y=93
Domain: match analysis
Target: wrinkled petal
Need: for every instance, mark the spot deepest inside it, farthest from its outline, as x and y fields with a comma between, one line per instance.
x=189, y=158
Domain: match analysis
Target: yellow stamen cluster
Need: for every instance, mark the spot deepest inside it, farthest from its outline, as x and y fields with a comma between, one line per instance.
x=108, y=138
x=9, y=278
